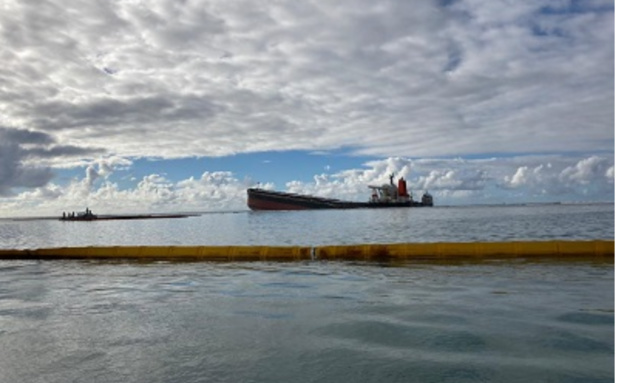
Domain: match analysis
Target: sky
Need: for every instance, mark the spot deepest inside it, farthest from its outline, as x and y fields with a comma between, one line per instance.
x=181, y=105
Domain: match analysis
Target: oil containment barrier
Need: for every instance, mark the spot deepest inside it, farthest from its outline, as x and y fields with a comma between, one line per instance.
x=584, y=250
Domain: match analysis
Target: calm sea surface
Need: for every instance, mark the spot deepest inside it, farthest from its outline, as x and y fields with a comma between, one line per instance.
x=325, y=227
x=506, y=321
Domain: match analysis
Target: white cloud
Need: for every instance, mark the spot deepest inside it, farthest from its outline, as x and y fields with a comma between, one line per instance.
x=213, y=191
x=587, y=171
x=104, y=167
x=525, y=176
x=609, y=174
x=451, y=181
x=496, y=180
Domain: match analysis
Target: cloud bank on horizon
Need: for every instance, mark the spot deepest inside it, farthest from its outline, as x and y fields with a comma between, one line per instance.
x=469, y=99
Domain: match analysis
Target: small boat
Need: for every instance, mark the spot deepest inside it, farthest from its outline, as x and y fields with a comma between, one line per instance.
x=86, y=215
x=387, y=195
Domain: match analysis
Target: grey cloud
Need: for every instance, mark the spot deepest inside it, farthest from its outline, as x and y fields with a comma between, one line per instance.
x=388, y=78
x=123, y=113
x=63, y=151
x=13, y=174
x=175, y=25
x=21, y=152
x=21, y=136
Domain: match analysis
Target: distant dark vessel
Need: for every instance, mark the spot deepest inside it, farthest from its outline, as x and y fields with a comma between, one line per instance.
x=387, y=195
x=87, y=215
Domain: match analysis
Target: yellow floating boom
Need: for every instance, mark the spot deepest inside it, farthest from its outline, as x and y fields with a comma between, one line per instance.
x=597, y=249
x=470, y=250
x=189, y=253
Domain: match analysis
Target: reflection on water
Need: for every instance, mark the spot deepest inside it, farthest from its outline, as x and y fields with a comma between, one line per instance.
x=305, y=322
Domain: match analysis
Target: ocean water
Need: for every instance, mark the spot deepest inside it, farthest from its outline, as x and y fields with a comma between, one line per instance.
x=75, y=321
x=325, y=227
x=495, y=321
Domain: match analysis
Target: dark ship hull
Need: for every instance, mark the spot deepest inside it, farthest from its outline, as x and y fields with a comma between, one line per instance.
x=259, y=199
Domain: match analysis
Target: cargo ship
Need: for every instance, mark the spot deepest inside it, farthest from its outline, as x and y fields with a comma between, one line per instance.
x=387, y=195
